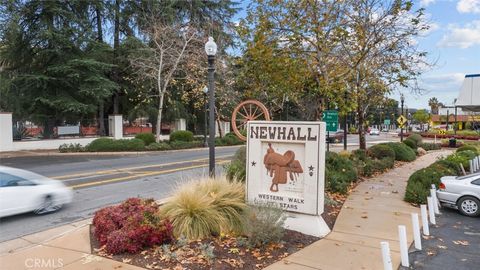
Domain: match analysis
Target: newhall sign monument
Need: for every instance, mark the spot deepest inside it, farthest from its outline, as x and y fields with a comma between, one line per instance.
x=286, y=167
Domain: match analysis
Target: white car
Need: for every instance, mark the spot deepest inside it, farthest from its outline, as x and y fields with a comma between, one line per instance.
x=23, y=191
x=374, y=131
x=461, y=192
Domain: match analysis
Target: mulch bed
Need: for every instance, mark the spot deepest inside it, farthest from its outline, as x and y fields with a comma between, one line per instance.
x=227, y=252
x=216, y=253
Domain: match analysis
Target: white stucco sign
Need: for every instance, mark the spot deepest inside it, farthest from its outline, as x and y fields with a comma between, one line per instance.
x=286, y=166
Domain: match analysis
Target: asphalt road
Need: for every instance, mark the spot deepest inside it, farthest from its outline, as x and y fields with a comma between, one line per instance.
x=99, y=180
x=454, y=243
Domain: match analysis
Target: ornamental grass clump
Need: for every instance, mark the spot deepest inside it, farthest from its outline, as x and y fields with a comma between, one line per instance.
x=199, y=209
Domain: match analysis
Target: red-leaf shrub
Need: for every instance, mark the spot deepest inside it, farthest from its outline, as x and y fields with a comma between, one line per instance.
x=131, y=226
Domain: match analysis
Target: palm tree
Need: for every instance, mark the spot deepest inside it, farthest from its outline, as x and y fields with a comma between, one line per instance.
x=434, y=104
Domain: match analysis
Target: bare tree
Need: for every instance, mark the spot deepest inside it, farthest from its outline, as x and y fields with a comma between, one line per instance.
x=161, y=59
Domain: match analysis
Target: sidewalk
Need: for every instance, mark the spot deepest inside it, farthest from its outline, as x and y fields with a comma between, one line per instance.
x=371, y=214
x=65, y=247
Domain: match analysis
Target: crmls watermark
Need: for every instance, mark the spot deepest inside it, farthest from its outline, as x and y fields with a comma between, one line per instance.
x=53, y=263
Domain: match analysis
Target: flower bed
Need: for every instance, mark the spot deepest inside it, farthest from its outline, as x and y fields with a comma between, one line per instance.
x=205, y=225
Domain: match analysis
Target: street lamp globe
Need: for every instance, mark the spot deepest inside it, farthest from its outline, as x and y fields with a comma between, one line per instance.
x=205, y=90
x=402, y=97
x=211, y=47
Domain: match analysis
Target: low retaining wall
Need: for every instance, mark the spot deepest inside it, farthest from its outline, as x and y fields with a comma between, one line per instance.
x=55, y=143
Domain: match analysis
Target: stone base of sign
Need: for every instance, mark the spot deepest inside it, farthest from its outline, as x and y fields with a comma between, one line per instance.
x=307, y=224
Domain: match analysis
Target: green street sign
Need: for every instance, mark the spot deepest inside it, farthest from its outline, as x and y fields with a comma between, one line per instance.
x=331, y=118
x=386, y=122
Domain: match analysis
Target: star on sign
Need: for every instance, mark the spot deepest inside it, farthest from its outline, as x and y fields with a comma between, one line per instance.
x=310, y=168
x=254, y=163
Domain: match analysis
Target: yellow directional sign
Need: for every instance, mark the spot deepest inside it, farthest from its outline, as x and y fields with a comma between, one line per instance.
x=401, y=120
x=442, y=131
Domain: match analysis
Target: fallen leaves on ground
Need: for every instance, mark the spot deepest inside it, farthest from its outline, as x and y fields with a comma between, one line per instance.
x=461, y=242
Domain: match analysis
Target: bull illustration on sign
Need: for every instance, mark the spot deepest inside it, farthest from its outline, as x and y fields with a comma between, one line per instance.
x=280, y=167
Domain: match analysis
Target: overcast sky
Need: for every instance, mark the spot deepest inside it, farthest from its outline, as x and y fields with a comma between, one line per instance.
x=453, y=42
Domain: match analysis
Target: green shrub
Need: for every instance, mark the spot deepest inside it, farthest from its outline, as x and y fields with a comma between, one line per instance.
x=416, y=138
x=228, y=139
x=185, y=145
x=70, y=148
x=111, y=145
x=339, y=173
x=468, y=147
x=419, y=183
x=147, y=138
x=236, y=170
x=381, y=165
x=359, y=154
x=431, y=146
x=181, y=135
x=162, y=146
x=410, y=143
x=448, y=164
x=200, y=209
x=402, y=151
x=463, y=158
x=381, y=151
x=265, y=225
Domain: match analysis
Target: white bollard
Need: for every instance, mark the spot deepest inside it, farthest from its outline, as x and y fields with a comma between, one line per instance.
x=477, y=164
x=402, y=237
x=431, y=212
x=433, y=194
x=416, y=231
x=387, y=260
x=423, y=210
x=471, y=166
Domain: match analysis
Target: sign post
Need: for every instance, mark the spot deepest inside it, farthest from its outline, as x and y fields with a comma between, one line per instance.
x=286, y=167
x=331, y=118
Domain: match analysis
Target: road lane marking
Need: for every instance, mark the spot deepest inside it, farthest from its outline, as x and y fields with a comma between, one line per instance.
x=121, y=170
x=112, y=180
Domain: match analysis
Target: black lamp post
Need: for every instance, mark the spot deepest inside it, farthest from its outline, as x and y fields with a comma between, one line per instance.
x=205, y=91
x=402, y=100
x=211, y=50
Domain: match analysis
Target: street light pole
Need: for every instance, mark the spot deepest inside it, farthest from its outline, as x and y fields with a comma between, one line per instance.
x=402, y=100
x=211, y=50
x=205, y=104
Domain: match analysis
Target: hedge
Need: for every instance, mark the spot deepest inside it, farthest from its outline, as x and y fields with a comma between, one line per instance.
x=181, y=135
x=420, y=182
x=411, y=143
x=468, y=147
x=431, y=146
x=381, y=151
x=402, y=151
x=417, y=138
x=111, y=145
x=162, y=146
x=339, y=173
x=147, y=138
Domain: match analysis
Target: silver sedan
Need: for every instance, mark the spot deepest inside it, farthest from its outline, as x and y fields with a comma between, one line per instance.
x=461, y=192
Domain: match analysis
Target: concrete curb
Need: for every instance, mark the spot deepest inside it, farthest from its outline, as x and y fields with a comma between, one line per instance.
x=43, y=153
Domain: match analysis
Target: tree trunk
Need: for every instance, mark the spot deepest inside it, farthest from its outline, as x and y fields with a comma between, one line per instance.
x=116, y=43
x=98, y=14
x=158, y=127
x=220, y=131
x=361, y=129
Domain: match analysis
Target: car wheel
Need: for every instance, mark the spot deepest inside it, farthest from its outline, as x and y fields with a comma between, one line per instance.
x=47, y=206
x=469, y=206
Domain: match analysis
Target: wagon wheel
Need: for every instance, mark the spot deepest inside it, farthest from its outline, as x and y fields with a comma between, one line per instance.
x=247, y=111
